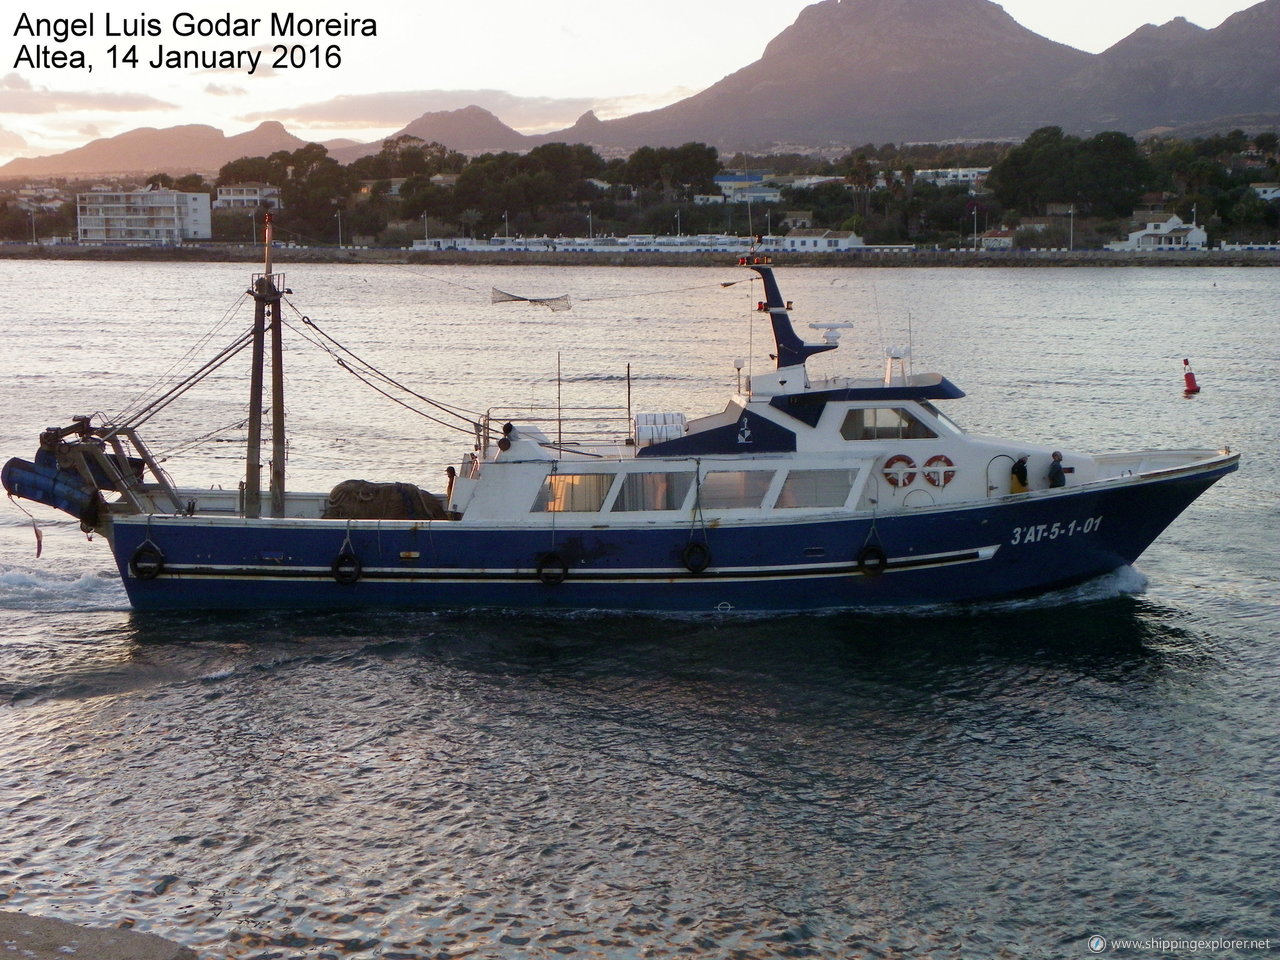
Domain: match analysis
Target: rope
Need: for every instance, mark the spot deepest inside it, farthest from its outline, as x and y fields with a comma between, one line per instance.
x=468, y=417
x=184, y=360
x=143, y=414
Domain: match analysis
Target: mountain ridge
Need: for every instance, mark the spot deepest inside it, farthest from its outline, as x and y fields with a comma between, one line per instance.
x=845, y=72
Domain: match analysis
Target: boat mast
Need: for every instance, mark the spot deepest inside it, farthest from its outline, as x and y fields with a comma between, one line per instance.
x=266, y=296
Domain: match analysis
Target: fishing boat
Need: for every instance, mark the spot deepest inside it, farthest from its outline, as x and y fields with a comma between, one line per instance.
x=802, y=494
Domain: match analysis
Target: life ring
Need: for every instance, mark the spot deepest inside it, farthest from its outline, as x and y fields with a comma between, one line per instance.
x=899, y=477
x=552, y=569
x=939, y=470
x=696, y=557
x=872, y=561
x=346, y=567
x=147, y=562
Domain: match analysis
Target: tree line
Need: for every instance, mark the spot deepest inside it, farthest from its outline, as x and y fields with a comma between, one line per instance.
x=570, y=190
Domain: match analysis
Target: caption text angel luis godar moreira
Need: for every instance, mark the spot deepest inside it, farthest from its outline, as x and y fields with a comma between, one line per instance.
x=184, y=41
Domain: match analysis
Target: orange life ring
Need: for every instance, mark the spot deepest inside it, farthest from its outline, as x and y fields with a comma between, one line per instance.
x=939, y=470
x=899, y=477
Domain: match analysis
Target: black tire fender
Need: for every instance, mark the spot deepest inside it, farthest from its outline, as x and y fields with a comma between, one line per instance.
x=696, y=557
x=346, y=567
x=872, y=561
x=147, y=562
x=552, y=569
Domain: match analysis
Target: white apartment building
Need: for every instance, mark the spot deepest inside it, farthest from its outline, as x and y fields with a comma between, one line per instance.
x=971, y=177
x=153, y=217
x=247, y=196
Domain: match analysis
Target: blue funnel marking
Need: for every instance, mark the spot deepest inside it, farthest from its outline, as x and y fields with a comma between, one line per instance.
x=791, y=349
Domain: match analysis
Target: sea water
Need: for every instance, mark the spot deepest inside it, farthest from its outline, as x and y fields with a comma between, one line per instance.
x=1003, y=780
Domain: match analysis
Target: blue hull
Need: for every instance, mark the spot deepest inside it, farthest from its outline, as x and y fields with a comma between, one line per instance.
x=984, y=551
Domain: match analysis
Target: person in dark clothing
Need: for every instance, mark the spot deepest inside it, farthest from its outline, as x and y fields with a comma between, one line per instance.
x=1056, y=477
x=1018, y=476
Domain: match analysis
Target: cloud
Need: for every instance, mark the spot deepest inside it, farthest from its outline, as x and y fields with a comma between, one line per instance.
x=218, y=90
x=11, y=142
x=19, y=96
x=610, y=108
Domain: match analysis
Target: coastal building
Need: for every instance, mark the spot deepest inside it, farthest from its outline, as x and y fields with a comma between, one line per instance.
x=742, y=188
x=243, y=196
x=387, y=187
x=817, y=240
x=1170, y=234
x=971, y=177
x=152, y=217
x=998, y=239
x=1266, y=191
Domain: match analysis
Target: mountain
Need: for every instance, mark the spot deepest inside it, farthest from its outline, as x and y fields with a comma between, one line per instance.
x=863, y=70
x=469, y=130
x=174, y=150
x=1179, y=74
x=848, y=72
x=858, y=71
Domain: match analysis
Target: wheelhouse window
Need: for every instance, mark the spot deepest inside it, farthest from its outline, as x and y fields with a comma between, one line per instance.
x=734, y=489
x=816, y=488
x=884, y=423
x=573, y=493
x=653, y=491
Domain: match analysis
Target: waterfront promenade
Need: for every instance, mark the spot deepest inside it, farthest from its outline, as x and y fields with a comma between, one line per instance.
x=214, y=252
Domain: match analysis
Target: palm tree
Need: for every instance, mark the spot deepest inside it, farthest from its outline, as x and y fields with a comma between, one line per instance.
x=469, y=218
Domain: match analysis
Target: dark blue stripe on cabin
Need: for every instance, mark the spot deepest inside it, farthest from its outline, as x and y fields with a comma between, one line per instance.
x=750, y=433
x=808, y=407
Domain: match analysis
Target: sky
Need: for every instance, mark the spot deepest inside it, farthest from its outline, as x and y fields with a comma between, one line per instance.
x=537, y=64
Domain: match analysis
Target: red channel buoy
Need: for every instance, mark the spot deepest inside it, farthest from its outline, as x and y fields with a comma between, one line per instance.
x=1189, y=379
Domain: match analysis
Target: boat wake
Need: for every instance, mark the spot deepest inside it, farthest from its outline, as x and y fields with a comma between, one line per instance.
x=25, y=589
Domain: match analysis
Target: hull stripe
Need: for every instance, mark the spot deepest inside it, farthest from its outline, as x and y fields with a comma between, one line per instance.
x=447, y=575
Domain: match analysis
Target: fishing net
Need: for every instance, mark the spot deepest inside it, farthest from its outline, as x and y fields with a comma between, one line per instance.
x=556, y=304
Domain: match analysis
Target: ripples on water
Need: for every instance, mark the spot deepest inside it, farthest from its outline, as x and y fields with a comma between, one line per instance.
x=998, y=781
x=488, y=785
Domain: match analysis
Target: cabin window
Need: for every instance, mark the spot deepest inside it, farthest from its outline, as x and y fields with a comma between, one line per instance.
x=734, y=489
x=884, y=423
x=816, y=488
x=573, y=493
x=653, y=491
x=934, y=411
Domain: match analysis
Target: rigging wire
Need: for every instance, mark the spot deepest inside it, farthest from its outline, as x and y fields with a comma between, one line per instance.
x=144, y=414
x=138, y=403
x=369, y=373
x=468, y=430
x=461, y=413
x=196, y=441
x=150, y=401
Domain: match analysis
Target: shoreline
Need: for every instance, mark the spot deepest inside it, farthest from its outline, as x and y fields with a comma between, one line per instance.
x=215, y=253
